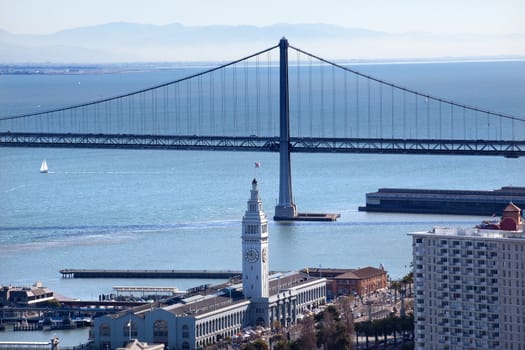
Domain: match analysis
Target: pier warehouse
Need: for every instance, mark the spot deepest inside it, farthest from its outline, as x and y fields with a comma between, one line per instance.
x=196, y=320
x=456, y=202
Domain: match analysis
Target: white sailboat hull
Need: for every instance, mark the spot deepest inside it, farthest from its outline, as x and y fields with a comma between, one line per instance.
x=43, y=167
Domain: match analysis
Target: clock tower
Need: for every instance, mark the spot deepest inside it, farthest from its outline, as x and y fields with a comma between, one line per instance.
x=255, y=248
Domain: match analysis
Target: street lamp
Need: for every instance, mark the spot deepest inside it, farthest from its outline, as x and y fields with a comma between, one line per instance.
x=129, y=329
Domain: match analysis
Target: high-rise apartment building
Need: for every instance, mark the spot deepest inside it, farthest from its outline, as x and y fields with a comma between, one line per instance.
x=470, y=285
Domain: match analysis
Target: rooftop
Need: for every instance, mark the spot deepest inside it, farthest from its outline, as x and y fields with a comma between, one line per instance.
x=221, y=296
x=471, y=232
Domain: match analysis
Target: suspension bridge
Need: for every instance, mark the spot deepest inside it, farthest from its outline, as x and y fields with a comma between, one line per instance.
x=258, y=103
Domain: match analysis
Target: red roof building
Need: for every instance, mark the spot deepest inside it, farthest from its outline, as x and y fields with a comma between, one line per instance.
x=351, y=281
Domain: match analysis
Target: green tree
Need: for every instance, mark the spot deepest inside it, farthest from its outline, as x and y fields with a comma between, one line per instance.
x=281, y=345
x=308, y=335
x=297, y=345
x=326, y=329
x=260, y=344
x=343, y=339
x=396, y=286
x=368, y=330
x=357, y=329
x=347, y=316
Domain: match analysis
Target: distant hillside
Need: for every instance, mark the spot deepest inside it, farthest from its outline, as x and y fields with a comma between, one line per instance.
x=131, y=42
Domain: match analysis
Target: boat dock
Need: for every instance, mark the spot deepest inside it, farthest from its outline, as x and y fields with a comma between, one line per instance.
x=456, y=202
x=198, y=274
x=169, y=291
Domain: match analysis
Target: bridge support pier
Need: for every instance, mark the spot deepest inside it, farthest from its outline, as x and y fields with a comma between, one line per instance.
x=285, y=209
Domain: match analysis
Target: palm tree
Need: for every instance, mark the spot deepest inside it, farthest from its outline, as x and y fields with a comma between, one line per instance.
x=357, y=329
x=367, y=329
x=396, y=286
x=408, y=279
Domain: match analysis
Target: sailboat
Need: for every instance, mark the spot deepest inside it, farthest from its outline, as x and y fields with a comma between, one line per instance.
x=43, y=167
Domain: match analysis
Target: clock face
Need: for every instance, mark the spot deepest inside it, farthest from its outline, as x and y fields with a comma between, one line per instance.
x=252, y=255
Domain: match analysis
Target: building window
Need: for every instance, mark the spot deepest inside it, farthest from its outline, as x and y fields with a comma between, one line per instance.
x=130, y=329
x=105, y=330
x=160, y=331
x=251, y=229
x=185, y=332
x=185, y=346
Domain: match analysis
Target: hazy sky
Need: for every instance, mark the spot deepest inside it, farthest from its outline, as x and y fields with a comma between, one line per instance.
x=395, y=16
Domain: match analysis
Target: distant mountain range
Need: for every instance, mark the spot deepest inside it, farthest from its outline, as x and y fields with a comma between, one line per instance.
x=131, y=42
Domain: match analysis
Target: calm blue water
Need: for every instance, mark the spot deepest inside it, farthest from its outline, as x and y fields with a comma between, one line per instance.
x=182, y=210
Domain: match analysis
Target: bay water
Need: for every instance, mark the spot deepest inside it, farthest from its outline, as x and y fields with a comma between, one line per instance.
x=149, y=209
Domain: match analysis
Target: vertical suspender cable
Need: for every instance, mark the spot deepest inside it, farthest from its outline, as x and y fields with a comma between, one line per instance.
x=380, y=126
x=246, y=100
x=356, y=105
x=166, y=108
x=177, y=109
x=211, y=109
x=269, y=94
x=199, y=93
x=417, y=115
x=464, y=124
x=223, y=100
x=440, y=122
x=234, y=92
x=392, y=109
x=404, y=114
x=451, y=121
x=298, y=89
x=188, y=108
x=130, y=113
x=346, y=105
x=427, y=102
x=333, y=102
x=476, y=120
x=369, y=111
x=321, y=114
x=154, y=111
x=310, y=102
x=257, y=98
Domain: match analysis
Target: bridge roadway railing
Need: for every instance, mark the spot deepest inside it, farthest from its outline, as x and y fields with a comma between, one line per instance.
x=510, y=148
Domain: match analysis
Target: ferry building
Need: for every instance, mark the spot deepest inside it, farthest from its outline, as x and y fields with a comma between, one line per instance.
x=200, y=319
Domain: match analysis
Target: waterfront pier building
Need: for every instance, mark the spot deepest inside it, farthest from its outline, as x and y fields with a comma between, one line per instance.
x=220, y=312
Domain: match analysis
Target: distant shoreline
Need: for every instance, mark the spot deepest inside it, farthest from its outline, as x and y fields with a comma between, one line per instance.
x=113, y=68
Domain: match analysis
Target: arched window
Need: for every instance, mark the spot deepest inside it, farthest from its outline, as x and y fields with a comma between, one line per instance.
x=160, y=331
x=130, y=329
x=104, y=330
x=185, y=346
x=185, y=331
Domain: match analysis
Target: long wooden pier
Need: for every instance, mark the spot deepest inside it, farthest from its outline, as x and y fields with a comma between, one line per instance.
x=200, y=274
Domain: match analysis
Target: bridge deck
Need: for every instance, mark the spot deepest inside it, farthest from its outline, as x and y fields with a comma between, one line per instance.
x=511, y=148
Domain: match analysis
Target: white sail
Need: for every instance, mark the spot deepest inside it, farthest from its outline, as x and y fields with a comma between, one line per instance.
x=43, y=167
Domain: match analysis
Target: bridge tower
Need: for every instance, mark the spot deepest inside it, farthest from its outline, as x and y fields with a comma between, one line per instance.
x=286, y=208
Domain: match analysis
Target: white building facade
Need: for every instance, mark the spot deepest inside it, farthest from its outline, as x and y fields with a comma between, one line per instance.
x=202, y=319
x=469, y=289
